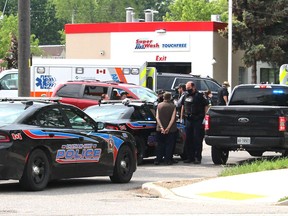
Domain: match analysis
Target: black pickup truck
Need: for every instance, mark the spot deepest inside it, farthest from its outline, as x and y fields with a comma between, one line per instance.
x=255, y=120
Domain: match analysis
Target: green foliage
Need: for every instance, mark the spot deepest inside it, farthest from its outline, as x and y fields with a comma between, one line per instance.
x=89, y=11
x=11, y=56
x=259, y=28
x=256, y=166
x=8, y=34
x=196, y=10
x=44, y=23
x=8, y=27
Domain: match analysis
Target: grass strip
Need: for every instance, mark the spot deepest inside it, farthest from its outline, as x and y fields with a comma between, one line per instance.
x=256, y=166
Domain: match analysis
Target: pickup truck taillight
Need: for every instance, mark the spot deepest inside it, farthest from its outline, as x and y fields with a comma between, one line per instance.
x=207, y=122
x=282, y=123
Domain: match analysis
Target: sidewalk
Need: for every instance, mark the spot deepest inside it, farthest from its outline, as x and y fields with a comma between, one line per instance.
x=260, y=187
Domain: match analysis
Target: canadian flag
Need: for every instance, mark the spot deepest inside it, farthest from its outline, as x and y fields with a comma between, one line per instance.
x=100, y=71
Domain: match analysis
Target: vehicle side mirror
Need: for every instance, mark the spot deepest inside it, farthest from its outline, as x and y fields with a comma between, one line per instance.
x=100, y=125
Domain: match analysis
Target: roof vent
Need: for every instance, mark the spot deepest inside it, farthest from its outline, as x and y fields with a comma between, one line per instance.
x=129, y=14
x=148, y=15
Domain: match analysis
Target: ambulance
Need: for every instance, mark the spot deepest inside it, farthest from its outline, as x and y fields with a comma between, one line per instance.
x=283, y=75
x=47, y=73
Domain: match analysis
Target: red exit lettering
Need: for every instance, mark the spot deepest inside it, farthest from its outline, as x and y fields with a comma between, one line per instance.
x=161, y=58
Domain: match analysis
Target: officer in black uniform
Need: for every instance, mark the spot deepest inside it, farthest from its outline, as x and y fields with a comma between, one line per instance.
x=195, y=106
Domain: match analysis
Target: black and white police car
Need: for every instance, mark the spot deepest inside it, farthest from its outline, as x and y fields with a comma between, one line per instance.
x=42, y=140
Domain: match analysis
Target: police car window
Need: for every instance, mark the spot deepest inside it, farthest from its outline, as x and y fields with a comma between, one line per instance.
x=78, y=121
x=212, y=86
x=142, y=114
x=51, y=117
x=71, y=90
x=94, y=92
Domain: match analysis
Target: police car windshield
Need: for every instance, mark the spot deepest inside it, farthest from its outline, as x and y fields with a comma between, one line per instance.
x=144, y=94
x=9, y=112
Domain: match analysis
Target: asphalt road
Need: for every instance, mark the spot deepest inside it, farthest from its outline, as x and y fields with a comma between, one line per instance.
x=98, y=196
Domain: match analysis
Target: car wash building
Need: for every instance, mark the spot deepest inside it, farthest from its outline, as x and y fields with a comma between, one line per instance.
x=177, y=47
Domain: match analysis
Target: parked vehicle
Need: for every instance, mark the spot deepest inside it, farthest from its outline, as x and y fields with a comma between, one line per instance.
x=46, y=74
x=169, y=82
x=42, y=141
x=86, y=93
x=255, y=120
x=9, y=83
x=138, y=118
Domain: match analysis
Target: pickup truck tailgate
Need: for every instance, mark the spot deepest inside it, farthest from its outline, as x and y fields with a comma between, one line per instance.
x=245, y=120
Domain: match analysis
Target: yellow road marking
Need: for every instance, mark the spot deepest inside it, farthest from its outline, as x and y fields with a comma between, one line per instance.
x=231, y=195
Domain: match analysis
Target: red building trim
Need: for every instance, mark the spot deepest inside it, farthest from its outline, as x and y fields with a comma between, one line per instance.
x=142, y=27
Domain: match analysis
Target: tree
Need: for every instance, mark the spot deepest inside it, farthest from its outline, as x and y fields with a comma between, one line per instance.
x=44, y=23
x=160, y=6
x=8, y=27
x=8, y=41
x=90, y=11
x=260, y=29
x=12, y=54
x=196, y=10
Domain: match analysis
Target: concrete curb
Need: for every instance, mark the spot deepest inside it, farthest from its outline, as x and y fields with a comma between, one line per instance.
x=158, y=191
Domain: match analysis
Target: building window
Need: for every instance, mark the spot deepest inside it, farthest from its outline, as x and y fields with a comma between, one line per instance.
x=241, y=79
x=270, y=75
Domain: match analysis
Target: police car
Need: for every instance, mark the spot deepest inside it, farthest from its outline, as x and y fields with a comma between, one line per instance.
x=137, y=118
x=42, y=140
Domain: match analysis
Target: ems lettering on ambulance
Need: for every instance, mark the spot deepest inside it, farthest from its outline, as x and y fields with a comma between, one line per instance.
x=78, y=153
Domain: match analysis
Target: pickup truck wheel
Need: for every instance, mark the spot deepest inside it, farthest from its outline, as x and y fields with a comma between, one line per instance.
x=219, y=156
x=285, y=153
x=256, y=153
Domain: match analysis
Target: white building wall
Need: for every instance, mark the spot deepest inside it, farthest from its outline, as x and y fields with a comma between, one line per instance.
x=197, y=51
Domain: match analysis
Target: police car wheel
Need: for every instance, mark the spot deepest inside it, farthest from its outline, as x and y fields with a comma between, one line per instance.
x=123, y=169
x=37, y=171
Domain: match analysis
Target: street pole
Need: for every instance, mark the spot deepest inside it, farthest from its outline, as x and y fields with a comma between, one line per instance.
x=23, y=48
x=230, y=44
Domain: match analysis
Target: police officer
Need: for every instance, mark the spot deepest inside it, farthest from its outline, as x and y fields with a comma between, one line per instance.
x=194, y=107
x=223, y=94
x=181, y=88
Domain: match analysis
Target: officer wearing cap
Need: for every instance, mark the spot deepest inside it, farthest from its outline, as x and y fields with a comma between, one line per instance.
x=194, y=107
x=223, y=94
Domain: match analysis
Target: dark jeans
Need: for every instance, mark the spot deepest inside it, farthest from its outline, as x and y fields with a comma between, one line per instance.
x=165, y=147
x=194, y=138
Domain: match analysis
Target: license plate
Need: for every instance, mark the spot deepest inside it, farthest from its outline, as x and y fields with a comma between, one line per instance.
x=243, y=140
